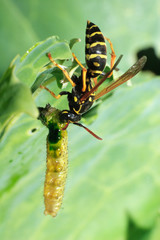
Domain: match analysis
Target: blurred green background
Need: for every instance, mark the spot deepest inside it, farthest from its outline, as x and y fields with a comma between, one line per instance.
x=113, y=186
x=130, y=25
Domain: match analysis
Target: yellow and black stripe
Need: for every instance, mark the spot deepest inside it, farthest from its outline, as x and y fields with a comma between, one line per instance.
x=96, y=52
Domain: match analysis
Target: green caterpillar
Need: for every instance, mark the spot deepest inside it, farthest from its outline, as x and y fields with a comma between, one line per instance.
x=57, y=160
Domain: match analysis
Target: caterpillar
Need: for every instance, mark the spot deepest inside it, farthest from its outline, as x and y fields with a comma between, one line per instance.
x=57, y=160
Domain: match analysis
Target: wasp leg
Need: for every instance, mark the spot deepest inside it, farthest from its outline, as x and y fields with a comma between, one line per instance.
x=53, y=94
x=63, y=70
x=113, y=55
x=84, y=72
x=87, y=94
x=95, y=82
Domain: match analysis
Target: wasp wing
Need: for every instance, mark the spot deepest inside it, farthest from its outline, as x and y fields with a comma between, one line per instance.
x=132, y=71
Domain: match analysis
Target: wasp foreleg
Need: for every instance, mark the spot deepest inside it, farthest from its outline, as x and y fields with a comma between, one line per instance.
x=53, y=94
x=84, y=72
x=63, y=70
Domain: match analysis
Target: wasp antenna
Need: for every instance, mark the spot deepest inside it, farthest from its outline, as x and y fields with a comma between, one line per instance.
x=88, y=130
x=65, y=127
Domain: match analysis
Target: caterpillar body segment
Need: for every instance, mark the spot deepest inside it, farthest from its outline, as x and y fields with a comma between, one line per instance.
x=57, y=160
x=56, y=174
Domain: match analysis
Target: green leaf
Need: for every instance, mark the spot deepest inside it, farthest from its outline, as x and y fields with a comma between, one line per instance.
x=108, y=180
x=112, y=189
x=35, y=59
x=73, y=41
x=14, y=85
x=15, y=98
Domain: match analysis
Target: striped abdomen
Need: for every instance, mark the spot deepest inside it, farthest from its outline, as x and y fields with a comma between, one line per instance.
x=56, y=173
x=96, y=53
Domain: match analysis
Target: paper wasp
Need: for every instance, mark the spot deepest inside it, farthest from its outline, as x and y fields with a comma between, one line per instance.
x=85, y=86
